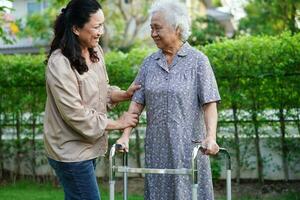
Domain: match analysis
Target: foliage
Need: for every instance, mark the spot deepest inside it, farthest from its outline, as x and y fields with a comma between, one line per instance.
x=253, y=64
x=4, y=36
x=39, y=25
x=206, y=30
x=124, y=22
x=271, y=17
x=256, y=74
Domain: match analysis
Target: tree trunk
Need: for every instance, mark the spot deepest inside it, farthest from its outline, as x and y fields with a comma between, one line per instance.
x=298, y=120
x=237, y=144
x=284, y=145
x=1, y=151
x=33, y=144
x=259, y=160
x=18, y=146
x=292, y=21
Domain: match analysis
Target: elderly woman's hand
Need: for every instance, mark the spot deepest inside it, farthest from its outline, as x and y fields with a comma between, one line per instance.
x=131, y=89
x=124, y=141
x=210, y=146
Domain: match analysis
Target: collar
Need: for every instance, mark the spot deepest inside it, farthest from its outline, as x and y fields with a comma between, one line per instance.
x=183, y=51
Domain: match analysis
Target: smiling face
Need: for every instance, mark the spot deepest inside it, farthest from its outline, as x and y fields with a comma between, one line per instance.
x=91, y=32
x=162, y=33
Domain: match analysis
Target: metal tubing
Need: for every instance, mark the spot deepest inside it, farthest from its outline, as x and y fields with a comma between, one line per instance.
x=194, y=191
x=112, y=173
x=192, y=172
x=228, y=174
x=112, y=190
x=228, y=185
x=195, y=171
x=125, y=176
x=182, y=171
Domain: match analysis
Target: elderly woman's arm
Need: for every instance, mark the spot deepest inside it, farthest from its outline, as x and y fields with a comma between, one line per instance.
x=134, y=108
x=211, y=119
x=121, y=95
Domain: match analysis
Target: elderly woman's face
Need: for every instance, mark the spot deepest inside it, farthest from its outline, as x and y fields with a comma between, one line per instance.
x=91, y=32
x=162, y=33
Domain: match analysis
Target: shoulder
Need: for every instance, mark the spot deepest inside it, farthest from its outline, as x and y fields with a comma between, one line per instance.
x=57, y=58
x=149, y=60
x=201, y=59
x=196, y=53
x=58, y=63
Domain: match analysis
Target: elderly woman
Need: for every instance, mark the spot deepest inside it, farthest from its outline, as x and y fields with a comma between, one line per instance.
x=180, y=93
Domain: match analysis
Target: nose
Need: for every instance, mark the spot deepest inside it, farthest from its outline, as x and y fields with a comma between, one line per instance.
x=154, y=33
x=100, y=31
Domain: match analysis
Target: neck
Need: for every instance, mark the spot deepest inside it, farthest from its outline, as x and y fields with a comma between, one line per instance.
x=173, y=49
x=85, y=52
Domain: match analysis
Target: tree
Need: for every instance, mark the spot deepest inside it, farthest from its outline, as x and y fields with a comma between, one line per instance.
x=271, y=17
x=6, y=27
x=206, y=30
x=124, y=21
x=39, y=25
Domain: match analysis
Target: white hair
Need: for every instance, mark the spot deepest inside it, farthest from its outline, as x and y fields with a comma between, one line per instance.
x=176, y=15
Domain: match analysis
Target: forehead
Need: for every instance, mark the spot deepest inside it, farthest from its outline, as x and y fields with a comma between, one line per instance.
x=96, y=18
x=158, y=18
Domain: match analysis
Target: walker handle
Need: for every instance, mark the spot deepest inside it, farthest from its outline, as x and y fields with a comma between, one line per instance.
x=119, y=147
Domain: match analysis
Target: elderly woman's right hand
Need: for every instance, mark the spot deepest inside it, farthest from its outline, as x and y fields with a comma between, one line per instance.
x=128, y=120
x=124, y=141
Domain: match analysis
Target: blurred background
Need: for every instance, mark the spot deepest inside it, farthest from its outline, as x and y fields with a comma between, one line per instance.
x=254, y=49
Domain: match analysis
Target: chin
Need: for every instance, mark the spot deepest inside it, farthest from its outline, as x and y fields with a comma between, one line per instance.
x=158, y=45
x=94, y=45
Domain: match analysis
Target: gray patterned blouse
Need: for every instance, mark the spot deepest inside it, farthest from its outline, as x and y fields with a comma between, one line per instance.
x=173, y=96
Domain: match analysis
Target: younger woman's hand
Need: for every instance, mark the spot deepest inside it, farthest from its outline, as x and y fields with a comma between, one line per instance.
x=131, y=89
x=128, y=120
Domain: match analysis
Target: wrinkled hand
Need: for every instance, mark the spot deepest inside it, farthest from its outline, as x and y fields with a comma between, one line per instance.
x=124, y=141
x=131, y=89
x=210, y=147
x=128, y=120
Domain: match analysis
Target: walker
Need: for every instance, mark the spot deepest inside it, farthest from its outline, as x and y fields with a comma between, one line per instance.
x=193, y=172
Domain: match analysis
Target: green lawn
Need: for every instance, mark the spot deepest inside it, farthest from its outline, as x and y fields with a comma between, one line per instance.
x=26, y=190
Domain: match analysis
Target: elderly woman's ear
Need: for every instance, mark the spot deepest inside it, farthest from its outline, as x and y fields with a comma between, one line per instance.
x=178, y=32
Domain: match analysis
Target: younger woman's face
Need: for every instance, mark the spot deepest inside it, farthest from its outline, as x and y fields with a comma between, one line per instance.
x=91, y=32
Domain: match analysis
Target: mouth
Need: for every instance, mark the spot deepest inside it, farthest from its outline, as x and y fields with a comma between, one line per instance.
x=156, y=40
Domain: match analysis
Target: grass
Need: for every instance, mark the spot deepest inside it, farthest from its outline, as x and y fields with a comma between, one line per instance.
x=285, y=196
x=27, y=190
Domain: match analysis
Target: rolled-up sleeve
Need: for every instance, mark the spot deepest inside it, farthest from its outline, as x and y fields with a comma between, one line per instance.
x=110, y=105
x=64, y=88
x=206, y=82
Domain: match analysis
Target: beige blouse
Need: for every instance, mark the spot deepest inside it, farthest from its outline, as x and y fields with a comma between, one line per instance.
x=76, y=110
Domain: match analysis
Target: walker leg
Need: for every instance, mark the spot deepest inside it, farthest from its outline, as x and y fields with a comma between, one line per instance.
x=112, y=190
x=125, y=176
x=228, y=185
x=194, y=192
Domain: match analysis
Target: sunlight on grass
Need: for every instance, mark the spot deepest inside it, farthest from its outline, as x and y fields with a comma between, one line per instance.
x=26, y=190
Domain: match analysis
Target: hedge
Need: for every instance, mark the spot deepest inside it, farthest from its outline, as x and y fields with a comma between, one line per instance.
x=256, y=75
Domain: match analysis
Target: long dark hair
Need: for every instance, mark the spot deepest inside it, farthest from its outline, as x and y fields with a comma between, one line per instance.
x=76, y=13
